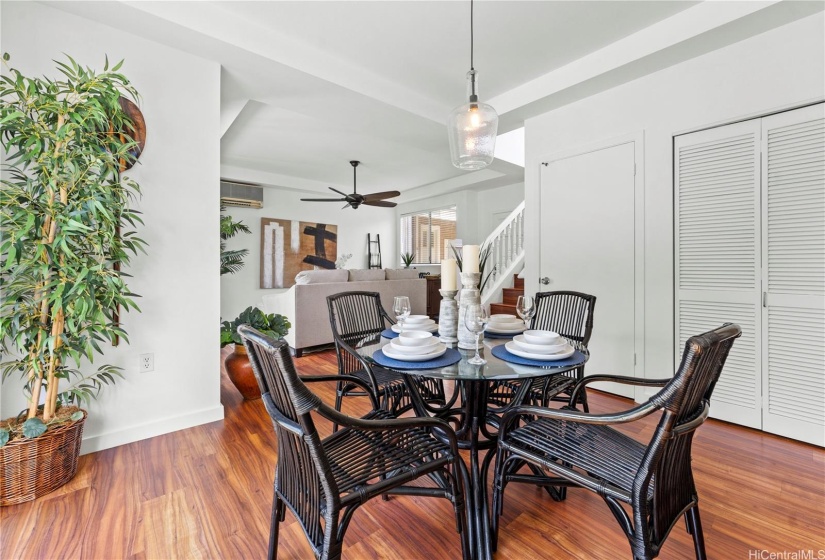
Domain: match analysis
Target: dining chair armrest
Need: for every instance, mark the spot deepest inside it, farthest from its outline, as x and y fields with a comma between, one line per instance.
x=364, y=363
x=630, y=415
x=349, y=379
x=623, y=379
x=386, y=316
x=367, y=425
x=690, y=426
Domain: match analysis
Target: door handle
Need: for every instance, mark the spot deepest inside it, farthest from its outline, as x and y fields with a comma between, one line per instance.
x=545, y=280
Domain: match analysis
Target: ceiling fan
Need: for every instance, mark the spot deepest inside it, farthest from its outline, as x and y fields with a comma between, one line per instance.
x=354, y=199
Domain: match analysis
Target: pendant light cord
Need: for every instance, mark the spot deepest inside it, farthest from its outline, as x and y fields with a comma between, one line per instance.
x=471, y=35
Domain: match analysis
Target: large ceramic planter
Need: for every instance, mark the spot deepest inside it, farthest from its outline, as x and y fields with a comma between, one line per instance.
x=30, y=468
x=240, y=373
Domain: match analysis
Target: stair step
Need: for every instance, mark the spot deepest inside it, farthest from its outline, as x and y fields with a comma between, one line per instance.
x=518, y=282
x=510, y=295
x=496, y=308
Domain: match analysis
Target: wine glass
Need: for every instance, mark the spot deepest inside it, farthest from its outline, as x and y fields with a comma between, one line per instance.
x=526, y=309
x=401, y=308
x=476, y=321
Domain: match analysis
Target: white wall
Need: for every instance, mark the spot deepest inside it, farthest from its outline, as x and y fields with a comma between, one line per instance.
x=782, y=67
x=242, y=289
x=179, y=174
x=495, y=202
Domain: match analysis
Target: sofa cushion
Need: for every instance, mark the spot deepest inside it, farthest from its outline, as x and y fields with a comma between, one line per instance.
x=322, y=276
x=356, y=275
x=401, y=273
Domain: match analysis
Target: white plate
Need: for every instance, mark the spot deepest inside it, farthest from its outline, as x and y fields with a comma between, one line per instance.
x=427, y=328
x=539, y=348
x=397, y=347
x=439, y=351
x=503, y=317
x=510, y=325
x=514, y=349
x=495, y=330
x=418, y=319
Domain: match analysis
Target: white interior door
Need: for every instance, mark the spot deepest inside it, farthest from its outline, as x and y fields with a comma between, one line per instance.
x=717, y=256
x=793, y=249
x=588, y=245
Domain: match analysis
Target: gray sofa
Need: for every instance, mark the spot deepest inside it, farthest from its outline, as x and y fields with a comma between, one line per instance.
x=305, y=304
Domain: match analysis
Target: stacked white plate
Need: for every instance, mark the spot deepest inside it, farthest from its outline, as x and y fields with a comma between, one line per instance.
x=414, y=346
x=540, y=345
x=417, y=323
x=505, y=324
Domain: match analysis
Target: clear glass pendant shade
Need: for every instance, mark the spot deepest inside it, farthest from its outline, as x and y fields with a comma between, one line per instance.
x=472, y=130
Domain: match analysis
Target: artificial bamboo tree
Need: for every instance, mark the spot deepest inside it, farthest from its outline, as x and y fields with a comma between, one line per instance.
x=66, y=228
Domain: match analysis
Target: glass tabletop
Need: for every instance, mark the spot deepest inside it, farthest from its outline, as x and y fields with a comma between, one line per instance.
x=495, y=368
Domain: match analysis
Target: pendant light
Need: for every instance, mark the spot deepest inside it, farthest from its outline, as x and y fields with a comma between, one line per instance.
x=472, y=127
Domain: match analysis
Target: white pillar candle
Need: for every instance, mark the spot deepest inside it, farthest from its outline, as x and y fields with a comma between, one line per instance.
x=469, y=256
x=448, y=275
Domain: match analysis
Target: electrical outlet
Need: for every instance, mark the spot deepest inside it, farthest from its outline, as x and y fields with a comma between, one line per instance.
x=147, y=362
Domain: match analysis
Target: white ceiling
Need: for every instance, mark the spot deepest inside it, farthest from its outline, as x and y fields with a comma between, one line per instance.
x=308, y=86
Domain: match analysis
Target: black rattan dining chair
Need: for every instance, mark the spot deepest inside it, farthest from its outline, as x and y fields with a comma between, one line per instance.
x=569, y=314
x=323, y=481
x=583, y=450
x=357, y=319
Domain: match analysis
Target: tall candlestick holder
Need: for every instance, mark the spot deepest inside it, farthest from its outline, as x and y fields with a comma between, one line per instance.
x=469, y=296
x=448, y=317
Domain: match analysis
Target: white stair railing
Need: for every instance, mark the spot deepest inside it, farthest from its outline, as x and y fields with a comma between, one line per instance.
x=506, y=254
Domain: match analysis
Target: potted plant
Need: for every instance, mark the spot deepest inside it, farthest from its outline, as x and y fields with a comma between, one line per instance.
x=231, y=260
x=237, y=363
x=407, y=259
x=66, y=229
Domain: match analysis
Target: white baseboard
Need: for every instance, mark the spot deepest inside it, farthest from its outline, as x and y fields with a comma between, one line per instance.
x=100, y=442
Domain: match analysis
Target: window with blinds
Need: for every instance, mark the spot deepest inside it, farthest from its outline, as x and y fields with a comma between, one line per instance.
x=428, y=235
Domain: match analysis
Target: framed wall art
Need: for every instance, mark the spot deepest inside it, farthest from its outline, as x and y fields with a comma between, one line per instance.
x=290, y=246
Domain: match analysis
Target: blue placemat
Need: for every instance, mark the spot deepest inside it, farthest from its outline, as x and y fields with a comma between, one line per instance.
x=488, y=334
x=502, y=353
x=449, y=358
x=389, y=333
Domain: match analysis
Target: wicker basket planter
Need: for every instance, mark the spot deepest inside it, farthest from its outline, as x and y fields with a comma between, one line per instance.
x=30, y=468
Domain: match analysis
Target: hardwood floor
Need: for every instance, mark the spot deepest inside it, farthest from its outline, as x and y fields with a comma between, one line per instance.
x=205, y=492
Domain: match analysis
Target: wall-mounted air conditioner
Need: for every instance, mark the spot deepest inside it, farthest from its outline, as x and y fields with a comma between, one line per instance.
x=240, y=193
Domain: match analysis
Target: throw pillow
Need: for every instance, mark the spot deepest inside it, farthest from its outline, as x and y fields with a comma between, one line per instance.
x=321, y=276
x=401, y=274
x=369, y=275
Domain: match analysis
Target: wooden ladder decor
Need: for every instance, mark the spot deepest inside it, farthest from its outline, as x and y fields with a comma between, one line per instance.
x=374, y=251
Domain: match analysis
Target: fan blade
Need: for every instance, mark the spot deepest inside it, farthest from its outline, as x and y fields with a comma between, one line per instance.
x=384, y=203
x=345, y=205
x=323, y=199
x=381, y=195
x=336, y=190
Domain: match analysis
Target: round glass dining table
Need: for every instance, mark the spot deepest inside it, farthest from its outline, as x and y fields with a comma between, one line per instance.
x=482, y=393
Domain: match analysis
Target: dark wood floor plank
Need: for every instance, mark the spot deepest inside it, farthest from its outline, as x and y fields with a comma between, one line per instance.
x=206, y=493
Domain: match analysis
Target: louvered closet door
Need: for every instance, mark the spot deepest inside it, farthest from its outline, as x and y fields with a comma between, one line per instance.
x=793, y=249
x=717, y=255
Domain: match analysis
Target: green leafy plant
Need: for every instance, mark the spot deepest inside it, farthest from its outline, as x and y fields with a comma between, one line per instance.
x=483, y=255
x=231, y=261
x=274, y=325
x=407, y=259
x=66, y=230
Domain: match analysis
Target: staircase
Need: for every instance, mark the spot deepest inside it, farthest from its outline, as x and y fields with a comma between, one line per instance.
x=510, y=297
x=505, y=260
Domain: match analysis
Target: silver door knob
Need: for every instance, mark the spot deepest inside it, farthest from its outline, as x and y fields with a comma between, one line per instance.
x=545, y=280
